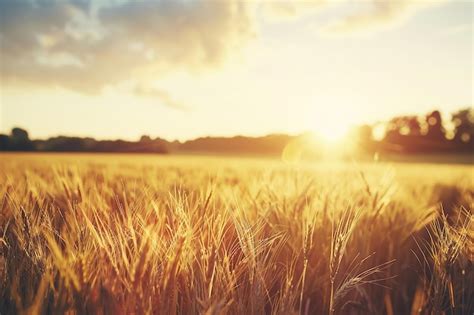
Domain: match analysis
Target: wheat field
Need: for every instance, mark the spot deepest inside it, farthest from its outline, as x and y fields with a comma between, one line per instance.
x=141, y=234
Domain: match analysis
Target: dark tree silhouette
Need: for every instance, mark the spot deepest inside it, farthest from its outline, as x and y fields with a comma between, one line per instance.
x=145, y=139
x=20, y=141
x=435, y=127
x=464, y=127
x=413, y=125
x=4, y=142
x=404, y=134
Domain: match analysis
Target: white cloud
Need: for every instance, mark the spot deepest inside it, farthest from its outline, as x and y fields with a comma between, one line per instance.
x=84, y=47
x=281, y=10
x=376, y=15
x=64, y=43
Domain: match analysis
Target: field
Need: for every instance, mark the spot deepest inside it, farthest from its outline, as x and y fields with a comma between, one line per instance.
x=121, y=234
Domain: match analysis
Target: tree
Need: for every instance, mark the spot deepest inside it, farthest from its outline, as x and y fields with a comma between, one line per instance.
x=20, y=141
x=464, y=127
x=413, y=125
x=4, y=142
x=145, y=139
x=435, y=127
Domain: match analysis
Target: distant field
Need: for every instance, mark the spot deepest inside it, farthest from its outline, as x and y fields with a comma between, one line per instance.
x=120, y=234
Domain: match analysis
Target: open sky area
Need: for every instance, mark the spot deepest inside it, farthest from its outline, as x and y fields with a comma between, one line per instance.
x=184, y=69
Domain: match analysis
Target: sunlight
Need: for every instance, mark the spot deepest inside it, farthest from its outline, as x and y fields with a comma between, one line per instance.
x=333, y=133
x=329, y=124
x=330, y=128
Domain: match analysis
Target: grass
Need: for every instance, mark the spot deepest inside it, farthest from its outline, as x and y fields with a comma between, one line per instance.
x=118, y=234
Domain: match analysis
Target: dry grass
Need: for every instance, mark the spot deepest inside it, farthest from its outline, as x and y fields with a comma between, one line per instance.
x=146, y=234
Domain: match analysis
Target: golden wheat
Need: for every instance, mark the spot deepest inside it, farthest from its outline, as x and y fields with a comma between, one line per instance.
x=119, y=234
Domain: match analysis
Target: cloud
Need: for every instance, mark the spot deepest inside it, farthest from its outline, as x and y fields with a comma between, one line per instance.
x=159, y=94
x=281, y=10
x=377, y=15
x=86, y=46
x=71, y=45
x=370, y=15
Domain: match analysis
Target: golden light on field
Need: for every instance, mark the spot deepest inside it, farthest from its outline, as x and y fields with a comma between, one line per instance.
x=167, y=227
x=236, y=157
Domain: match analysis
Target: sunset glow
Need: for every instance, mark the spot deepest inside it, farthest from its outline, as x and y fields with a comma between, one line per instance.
x=332, y=133
x=129, y=68
x=236, y=157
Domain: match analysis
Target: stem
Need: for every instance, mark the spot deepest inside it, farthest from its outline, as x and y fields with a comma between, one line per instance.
x=305, y=266
x=331, y=298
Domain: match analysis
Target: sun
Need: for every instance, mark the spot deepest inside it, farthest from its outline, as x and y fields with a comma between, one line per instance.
x=333, y=133
x=329, y=124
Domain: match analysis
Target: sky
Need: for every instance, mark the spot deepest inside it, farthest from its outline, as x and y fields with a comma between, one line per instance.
x=183, y=69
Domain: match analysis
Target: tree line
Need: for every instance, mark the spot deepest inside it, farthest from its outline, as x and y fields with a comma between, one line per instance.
x=19, y=140
x=425, y=134
x=401, y=134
